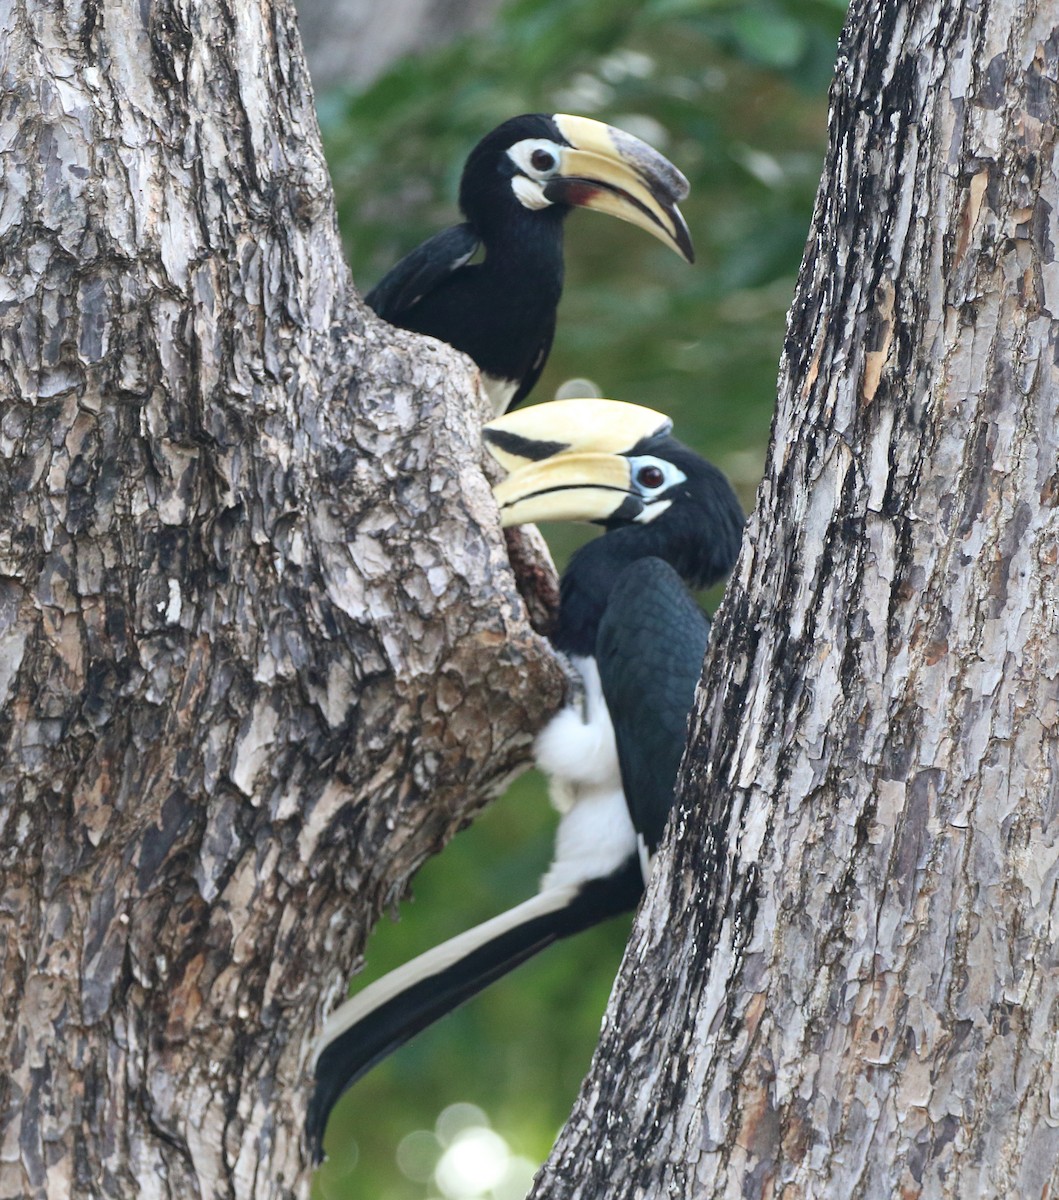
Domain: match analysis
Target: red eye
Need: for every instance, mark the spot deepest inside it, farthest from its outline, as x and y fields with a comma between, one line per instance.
x=541, y=160
x=650, y=477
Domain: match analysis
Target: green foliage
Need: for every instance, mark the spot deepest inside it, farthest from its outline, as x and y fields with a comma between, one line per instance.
x=735, y=94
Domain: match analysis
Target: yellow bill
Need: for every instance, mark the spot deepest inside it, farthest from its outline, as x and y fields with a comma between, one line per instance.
x=616, y=173
x=560, y=427
x=570, y=487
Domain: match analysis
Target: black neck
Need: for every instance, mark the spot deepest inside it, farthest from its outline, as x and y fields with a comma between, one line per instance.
x=523, y=243
x=700, y=541
x=589, y=579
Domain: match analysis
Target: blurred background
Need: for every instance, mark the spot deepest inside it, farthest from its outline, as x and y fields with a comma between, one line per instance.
x=734, y=93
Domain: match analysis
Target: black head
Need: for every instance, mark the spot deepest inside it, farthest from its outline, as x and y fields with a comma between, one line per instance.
x=678, y=508
x=540, y=166
x=488, y=189
x=682, y=507
x=616, y=465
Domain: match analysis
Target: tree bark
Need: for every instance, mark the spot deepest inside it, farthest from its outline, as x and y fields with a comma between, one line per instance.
x=261, y=649
x=844, y=980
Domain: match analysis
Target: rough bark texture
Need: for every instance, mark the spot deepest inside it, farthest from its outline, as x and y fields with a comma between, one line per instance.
x=260, y=649
x=845, y=982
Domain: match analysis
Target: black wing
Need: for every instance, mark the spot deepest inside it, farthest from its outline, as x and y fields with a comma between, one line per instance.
x=421, y=271
x=529, y=380
x=650, y=648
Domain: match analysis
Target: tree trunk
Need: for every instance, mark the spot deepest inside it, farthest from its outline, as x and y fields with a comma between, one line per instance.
x=844, y=980
x=261, y=650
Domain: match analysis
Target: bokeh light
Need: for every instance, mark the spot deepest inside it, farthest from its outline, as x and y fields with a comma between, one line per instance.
x=417, y=1155
x=473, y=1165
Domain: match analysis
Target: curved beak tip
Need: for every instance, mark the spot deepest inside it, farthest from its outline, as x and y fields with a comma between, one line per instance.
x=684, y=245
x=614, y=172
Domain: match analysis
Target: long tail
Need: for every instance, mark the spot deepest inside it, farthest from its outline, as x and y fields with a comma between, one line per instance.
x=364, y=1030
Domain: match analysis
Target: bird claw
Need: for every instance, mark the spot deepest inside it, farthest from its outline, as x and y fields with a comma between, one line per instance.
x=575, y=684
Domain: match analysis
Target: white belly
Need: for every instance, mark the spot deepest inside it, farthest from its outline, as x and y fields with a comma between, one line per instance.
x=500, y=392
x=576, y=750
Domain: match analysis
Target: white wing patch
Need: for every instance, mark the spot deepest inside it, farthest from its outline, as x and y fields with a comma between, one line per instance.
x=647, y=859
x=460, y=261
x=463, y=259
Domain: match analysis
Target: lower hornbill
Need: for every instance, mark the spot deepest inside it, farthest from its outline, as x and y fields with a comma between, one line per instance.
x=518, y=184
x=633, y=632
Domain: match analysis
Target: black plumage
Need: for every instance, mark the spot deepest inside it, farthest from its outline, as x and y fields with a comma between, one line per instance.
x=625, y=603
x=502, y=310
x=650, y=646
x=629, y=624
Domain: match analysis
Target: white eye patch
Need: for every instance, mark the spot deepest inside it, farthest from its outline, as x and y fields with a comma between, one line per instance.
x=538, y=158
x=652, y=477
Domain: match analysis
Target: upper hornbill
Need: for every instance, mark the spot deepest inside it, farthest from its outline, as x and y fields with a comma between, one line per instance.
x=636, y=636
x=518, y=184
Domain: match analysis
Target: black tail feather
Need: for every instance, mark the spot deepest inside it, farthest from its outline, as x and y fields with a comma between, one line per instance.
x=443, y=978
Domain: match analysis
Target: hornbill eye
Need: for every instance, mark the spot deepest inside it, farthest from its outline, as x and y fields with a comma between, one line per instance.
x=650, y=476
x=542, y=160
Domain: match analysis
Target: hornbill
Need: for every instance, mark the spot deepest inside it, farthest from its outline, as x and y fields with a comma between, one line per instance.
x=630, y=627
x=518, y=184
